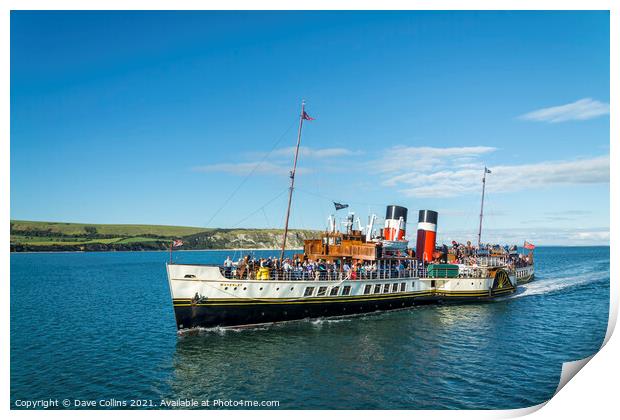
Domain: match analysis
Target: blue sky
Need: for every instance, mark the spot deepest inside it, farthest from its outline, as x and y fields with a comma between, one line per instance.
x=157, y=117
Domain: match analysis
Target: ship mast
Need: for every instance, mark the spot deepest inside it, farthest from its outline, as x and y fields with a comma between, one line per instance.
x=302, y=116
x=484, y=179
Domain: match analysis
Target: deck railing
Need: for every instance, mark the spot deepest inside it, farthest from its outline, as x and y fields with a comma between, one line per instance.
x=264, y=273
x=313, y=274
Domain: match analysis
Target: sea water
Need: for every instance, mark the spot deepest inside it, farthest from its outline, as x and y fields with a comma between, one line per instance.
x=100, y=327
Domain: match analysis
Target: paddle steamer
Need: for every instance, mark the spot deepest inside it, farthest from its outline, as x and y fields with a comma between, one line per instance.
x=347, y=272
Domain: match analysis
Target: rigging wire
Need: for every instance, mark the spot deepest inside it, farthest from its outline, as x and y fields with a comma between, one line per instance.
x=243, y=181
x=261, y=208
x=266, y=218
x=332, y=200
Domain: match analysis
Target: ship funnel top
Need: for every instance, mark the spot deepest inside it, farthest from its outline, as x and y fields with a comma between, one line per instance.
x=428, y=216
x=394, y=212
x=395, y=223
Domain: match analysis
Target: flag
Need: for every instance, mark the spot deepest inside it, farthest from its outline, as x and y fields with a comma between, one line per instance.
x=487, y=170
x=177, y=243
x=528, y=245
x=305, y=116
x=340, y=206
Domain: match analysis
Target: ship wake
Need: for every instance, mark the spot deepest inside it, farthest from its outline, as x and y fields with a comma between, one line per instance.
x=550, y=284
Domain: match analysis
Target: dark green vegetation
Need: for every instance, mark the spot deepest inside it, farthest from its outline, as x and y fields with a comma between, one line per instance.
x=54, y=236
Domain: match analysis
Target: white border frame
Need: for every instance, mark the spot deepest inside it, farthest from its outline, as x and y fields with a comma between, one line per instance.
x=592, y=395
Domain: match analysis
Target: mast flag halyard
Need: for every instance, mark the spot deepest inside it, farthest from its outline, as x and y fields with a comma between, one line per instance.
x=484, y=180
x=175, y=244
x=303, y=116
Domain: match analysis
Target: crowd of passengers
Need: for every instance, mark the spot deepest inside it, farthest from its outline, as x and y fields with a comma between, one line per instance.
x=308, y=269
x=467, y=254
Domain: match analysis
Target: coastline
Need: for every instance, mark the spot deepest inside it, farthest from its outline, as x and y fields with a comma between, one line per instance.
x=157, y=250
x=244, y=249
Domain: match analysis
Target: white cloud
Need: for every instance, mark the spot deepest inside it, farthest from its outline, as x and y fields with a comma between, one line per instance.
x=244, y=168
x=308, y=152
x=538, y=236
x=418, y=159
x=279, y=162
x=435, y=172
x=591, y=236
x=583, y=109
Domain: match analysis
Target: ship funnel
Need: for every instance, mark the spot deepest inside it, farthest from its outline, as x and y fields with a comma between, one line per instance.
x=395, y=223
x=427, y=234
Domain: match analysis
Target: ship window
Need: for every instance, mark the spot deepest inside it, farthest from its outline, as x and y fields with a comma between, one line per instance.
x=395, y=288
x=403, y=286
x=367, y=289
x=322, y=291
x=190, y=276
x=308, y=291
x=386, y=288
x=346, y=290
x=334, y=291
x=377, y=288
x=413, y=284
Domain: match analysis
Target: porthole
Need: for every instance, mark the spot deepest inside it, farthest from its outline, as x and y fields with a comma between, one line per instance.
x=277, y=288
x=260, y=288
x=245, y=288
x=235, y=288
x=292, y=288
x=225, y=288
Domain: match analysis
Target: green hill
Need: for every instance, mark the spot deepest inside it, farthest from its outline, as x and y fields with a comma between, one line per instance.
x=56, y=236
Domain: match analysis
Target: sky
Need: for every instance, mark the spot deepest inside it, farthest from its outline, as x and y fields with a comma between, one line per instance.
x=190, y=118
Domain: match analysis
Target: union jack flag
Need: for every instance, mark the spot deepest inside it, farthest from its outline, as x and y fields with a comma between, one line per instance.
x=528, y=245
x=177, y=243
x=305, y=116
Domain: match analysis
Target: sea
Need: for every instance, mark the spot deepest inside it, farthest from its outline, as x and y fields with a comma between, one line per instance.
x=97, y=330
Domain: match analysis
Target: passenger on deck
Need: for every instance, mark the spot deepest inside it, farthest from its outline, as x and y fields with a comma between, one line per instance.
x=228, y=264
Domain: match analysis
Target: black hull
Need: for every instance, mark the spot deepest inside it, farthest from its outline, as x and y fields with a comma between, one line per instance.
x=235, y=313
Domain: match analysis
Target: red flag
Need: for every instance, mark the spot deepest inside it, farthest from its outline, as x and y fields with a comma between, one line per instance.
x=305, y=116
x=177, y=243
x=528, y=245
